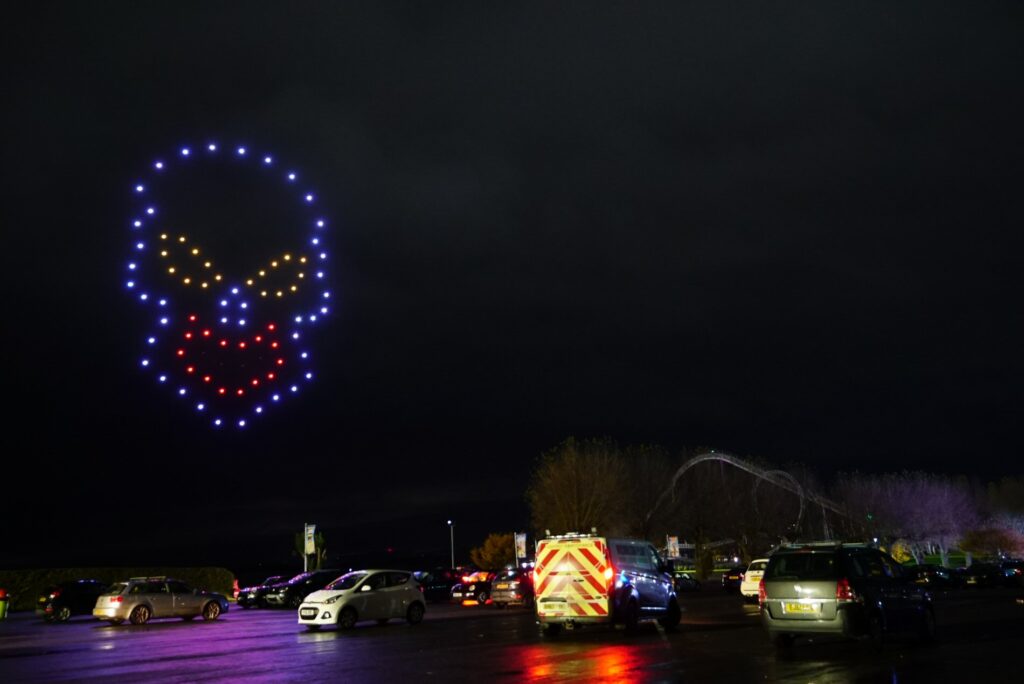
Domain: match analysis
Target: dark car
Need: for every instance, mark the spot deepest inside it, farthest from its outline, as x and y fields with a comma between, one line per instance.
x=1013, y=571
x=983, y=575
x=681, y=577
x=512, y=587
x=437, y=584
x=74, y=597
x=847, y=590
x=935, y=576
x=255, y=596
x=474, y=589
x=733, y=578
x=290, y=594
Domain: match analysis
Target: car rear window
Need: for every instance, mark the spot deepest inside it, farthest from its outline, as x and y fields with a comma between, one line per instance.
x=758, y=565
x=117, y=588
x=802, y=566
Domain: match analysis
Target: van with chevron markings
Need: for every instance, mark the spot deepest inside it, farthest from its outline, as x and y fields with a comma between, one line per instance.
x=584, y=579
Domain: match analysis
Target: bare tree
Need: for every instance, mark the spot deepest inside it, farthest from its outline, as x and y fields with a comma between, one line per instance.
x=578, y=486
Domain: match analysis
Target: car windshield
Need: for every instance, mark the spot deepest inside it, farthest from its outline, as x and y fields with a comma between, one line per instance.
x=758, y=565
x=300, y=578
x=509, y=575
x=346, y=581
x=802, y=566
x=117, y=588
x=274, y=579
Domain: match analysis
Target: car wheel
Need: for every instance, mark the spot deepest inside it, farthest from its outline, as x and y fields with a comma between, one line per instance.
x=631, y=618
x=672, y=616
x=482, y=597
x=140, y=615
x=347, y=618
x=211, y=611
x=295, y=602
x=415, y=614
x=550, y=629
x=313, y=628
x=64, y=614
x=927, y=632
x=783, y=640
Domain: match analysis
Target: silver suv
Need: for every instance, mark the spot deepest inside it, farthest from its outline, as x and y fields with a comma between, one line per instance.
x=842, y=589
x=142, y=598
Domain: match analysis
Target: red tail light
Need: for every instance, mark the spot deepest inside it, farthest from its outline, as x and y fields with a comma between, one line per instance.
x=844, y=592
x=55, y=594
x=609, y=576
x=762, y=594
x=467, y=578
x=117, y=599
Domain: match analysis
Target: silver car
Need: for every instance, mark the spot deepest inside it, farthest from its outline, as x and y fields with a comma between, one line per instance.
x=364, y=595
x=841, y=589
x=143, y=598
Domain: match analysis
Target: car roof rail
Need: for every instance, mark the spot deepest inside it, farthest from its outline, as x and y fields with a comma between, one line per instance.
x=152, y=578
x=824, y=544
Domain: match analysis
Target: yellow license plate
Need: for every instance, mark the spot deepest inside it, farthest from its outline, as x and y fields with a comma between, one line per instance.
x=502, y=586
x=803, y=608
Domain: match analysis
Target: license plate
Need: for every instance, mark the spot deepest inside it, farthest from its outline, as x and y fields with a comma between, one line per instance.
x=457, y=594
x=802, y=608
x=309, y=612
x=501, y=586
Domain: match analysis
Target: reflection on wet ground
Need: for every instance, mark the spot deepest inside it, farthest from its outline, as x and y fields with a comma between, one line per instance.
x=980, y=639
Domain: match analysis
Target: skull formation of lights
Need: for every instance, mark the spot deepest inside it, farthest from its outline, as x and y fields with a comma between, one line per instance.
x=230, y=344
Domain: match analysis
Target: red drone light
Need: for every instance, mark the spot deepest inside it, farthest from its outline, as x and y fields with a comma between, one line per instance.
x=192, y=318
x=181, y=352
x=188, y=336
x=190, y=369
x=255, y=382
x=207, y=378
x=271, y=326
x=206, y=333
x=222, y=390
x=241, y=391
x=223, y=343
x=241, y=345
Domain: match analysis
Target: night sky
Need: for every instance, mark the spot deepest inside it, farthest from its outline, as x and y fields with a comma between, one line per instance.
x=792, y=233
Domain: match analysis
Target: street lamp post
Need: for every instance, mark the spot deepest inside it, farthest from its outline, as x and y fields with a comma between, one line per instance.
x=451, y=532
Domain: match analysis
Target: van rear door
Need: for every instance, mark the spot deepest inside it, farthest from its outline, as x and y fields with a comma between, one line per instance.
x=572, y=579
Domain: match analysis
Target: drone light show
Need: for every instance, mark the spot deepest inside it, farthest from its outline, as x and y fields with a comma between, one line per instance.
x=231, y=343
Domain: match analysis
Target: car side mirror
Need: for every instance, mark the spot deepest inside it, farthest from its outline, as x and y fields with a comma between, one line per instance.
x=366, y=587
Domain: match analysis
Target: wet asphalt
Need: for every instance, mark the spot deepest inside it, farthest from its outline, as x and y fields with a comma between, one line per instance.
x=981, y=638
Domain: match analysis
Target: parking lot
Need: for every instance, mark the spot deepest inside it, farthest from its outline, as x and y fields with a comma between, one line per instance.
x=980, y=635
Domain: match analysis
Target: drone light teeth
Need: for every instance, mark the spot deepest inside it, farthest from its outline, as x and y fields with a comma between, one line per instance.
x=226, y=344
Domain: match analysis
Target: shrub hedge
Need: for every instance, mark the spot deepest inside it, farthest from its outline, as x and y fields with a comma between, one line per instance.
x=25, y=586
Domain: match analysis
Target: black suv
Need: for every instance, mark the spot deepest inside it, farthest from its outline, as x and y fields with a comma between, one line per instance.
x=290, y=594
x=74, y=597
x=842, y=589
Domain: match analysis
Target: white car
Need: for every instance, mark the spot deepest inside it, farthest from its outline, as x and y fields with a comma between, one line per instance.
x=752, y=578
x=364, y=595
